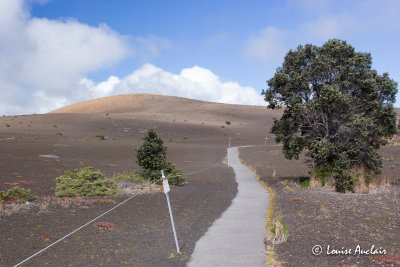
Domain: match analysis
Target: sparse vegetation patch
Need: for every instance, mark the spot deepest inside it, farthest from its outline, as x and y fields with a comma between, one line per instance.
x=100, y=136
x=85, y=182
x=304, y=181
x=17, y=194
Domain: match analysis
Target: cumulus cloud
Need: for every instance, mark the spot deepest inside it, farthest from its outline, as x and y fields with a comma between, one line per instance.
x=44, y=64
x=196, y=83
x=268, y=46
x=327, y=19
x=43, y=60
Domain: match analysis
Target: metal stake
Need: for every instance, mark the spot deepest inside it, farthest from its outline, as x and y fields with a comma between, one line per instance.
x=170, y=213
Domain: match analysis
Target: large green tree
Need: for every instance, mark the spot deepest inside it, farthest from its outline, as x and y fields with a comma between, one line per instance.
x=336, y=108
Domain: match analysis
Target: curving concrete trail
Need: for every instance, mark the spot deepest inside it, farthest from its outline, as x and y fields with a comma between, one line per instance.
x=237, y=237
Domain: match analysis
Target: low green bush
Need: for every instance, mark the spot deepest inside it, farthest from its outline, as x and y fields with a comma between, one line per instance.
x=134, y=177
x=304, y=181
x=172, y=171
x=85, y=182
x=18, y=194
x=100, y=136
x=228, y=122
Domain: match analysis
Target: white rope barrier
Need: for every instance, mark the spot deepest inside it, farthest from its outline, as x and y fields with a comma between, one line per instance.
x=116, y=206
x=101, y=215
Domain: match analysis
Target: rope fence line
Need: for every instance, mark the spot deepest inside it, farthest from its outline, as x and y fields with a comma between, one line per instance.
x=108, y=211
x=126, y=200
x=76, y=230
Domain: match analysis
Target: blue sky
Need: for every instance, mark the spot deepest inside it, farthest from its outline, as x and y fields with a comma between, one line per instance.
x=58, y=52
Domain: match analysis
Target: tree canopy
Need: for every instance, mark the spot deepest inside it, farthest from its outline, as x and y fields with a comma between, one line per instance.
x=336, y=108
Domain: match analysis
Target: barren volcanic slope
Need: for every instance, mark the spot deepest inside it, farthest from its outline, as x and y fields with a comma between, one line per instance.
x=196, y=134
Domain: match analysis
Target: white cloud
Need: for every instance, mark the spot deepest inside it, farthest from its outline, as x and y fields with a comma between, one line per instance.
x=43, y=60
x=44, y=63
x=196, y=83
x=327, y=19
x=268, y=46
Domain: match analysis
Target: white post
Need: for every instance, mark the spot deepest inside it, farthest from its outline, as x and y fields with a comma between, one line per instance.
x=166, y=190
x=265, y=141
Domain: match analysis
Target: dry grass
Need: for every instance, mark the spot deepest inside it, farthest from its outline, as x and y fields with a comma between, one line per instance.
x=271, y=257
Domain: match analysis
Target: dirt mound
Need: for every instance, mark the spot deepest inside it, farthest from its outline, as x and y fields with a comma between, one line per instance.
x=140, y=103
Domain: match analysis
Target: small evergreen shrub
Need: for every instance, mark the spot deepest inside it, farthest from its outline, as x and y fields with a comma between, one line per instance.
x=18, y=194
x=152, y=158
x=228, y=122
x=85, y=182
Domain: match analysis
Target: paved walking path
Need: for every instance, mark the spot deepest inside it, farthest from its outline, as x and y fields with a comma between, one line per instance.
x=237, y=237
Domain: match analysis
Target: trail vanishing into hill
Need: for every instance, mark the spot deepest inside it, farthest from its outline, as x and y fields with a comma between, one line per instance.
x=237, y=238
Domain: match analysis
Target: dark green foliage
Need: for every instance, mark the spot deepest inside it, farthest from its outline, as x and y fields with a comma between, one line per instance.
x=228, y=122
x=336, y=107
x=304, y=181
x=152, y=158
x=85, y=182
x=18, y=194
x=100, y=136
x=173, y=174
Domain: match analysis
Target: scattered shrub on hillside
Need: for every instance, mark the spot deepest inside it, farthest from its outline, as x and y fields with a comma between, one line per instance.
x=61, y=145
x=304, y=181
x=8, y=125
x=85, y=182
x=18, y=194
x=55, y=125
x=100, y=136
x=60, y=134
x=228, y=122
x=152, y=158
x=223, y=126
x=184, y=138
